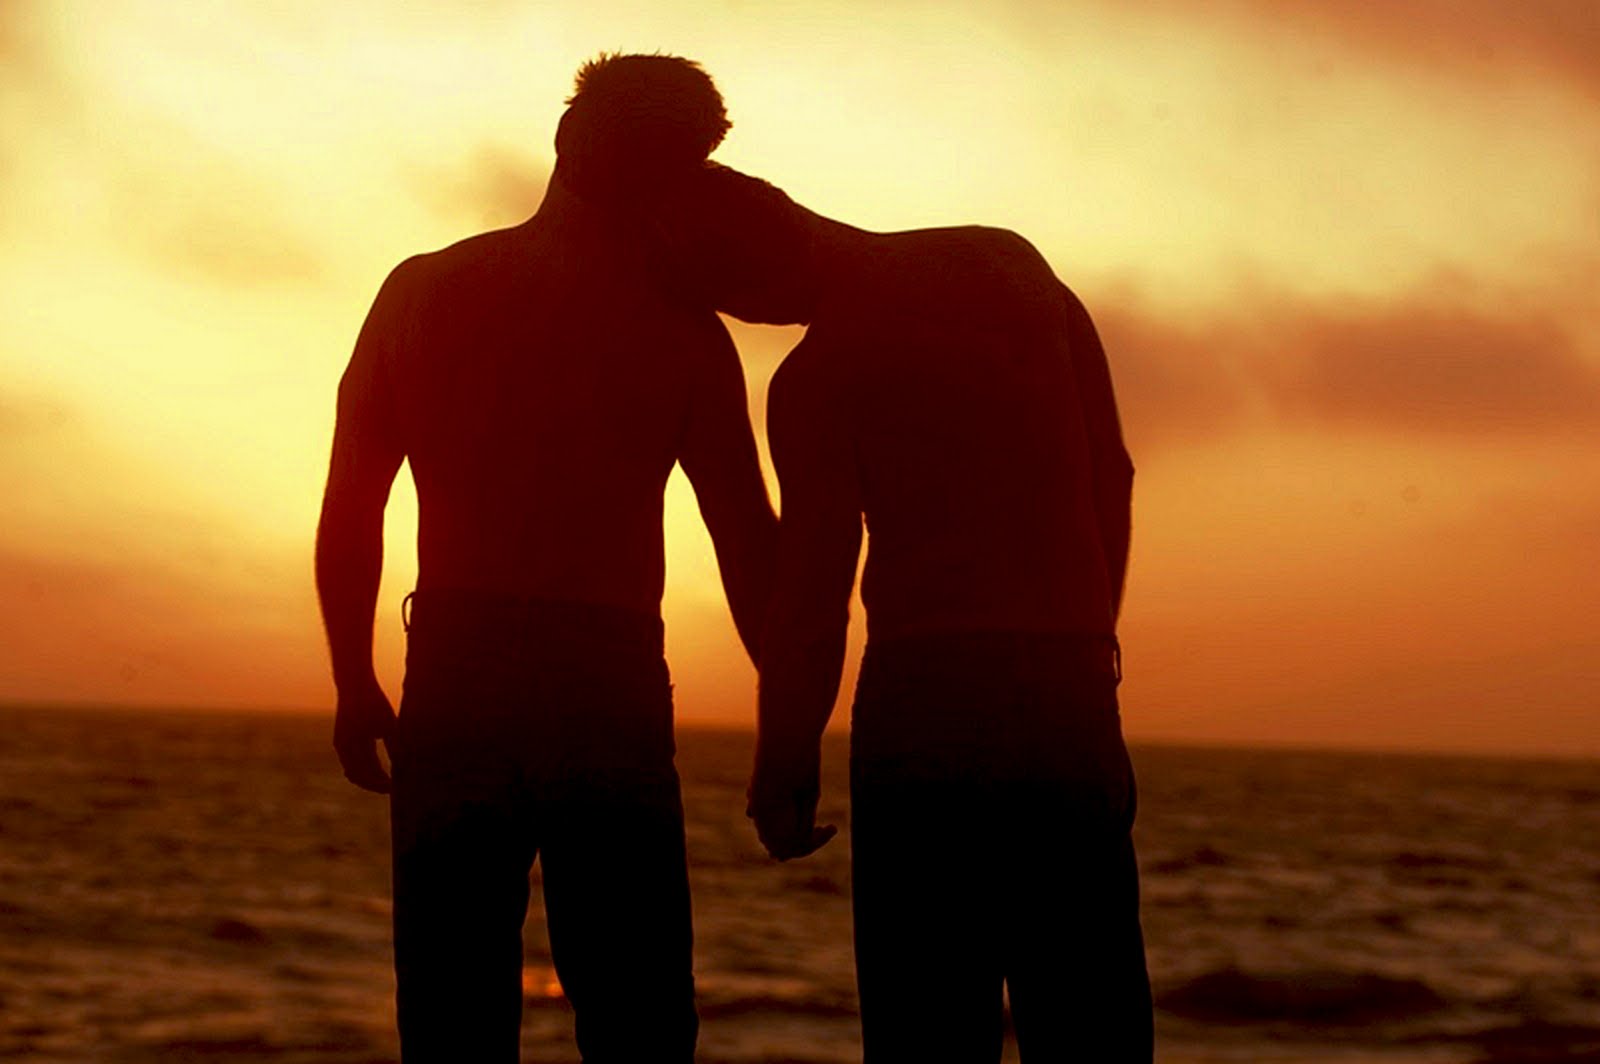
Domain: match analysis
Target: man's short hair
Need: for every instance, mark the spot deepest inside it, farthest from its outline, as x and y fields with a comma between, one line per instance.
x=633, y=120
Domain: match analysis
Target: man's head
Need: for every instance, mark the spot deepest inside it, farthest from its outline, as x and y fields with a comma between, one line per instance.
x=741, y=245
x=634, y=122
x=636, y=136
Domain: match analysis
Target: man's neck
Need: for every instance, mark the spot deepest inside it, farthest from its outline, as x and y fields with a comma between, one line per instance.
x=563, y=206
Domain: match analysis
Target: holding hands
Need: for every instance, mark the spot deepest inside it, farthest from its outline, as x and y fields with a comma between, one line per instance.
x=783, y=802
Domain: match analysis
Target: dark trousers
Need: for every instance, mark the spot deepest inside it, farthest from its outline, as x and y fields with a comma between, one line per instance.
x=991, y=804
x=538, y=730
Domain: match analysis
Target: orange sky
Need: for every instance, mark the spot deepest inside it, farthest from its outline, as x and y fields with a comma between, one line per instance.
x=1344, y=258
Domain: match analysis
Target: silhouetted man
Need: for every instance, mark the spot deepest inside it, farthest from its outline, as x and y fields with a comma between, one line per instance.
x=952, y=392
x=542, y=388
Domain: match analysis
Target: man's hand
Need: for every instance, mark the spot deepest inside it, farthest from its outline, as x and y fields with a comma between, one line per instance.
x=363, y=718
x=783, y=804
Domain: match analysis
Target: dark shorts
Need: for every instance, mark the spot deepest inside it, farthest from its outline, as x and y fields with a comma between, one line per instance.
x=535, y=729
x=991, y=806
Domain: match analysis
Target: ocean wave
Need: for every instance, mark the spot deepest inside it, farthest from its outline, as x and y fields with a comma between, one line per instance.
x=303, y=935
x=1202, y=857
x=256, y=1045
x=333, y=1045
x=237, y=931
x=1537, y=1040
x=823, y=1008
x=1410, y=861
x=1326, y=996
x=714, y=1008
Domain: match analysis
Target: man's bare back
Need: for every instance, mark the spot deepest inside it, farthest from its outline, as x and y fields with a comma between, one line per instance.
x=959, y=366
x=542, y=387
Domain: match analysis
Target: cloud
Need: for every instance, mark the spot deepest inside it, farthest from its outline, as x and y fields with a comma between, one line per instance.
x=40, y=92
x=1418, y=364
x=11, y=46
x=1434, y=368
x=23, y=73
x=196, y=213
x=232, y=248
x=170, y=193
x=25, y=415
x=1475, y=37
x=19, y=48
x=497, y=186
x=1483, y=40
x=1176, y=382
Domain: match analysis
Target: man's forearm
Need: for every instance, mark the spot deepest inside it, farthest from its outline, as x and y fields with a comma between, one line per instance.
x=746, y=565
x=799, y=683
x=349, y=570
x=1113, y=504
x=1116, y=528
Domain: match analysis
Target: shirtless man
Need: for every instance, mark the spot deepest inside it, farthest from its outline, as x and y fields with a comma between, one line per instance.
x=954, y=394
x=542, y=388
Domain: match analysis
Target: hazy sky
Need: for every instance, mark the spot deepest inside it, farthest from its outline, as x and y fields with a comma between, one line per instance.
x=1344, y=257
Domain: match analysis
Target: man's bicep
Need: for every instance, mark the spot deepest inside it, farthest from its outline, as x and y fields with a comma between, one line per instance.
x=367, y=451
x=718, y=449
x=367, y=444
x=819, y=539
x=1096, y=396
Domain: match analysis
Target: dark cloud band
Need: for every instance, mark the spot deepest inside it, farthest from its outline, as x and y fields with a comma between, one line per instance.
x=1417, y=365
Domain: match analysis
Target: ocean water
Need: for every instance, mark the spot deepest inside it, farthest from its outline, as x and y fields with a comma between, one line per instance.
x=205, y=887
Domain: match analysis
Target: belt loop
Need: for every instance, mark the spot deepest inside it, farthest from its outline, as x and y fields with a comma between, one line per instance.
x=405, y=610
x=1116, y=658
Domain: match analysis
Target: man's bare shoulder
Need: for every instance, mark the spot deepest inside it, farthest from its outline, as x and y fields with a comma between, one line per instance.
x=465, y=256
x=981, y=239
x=972, y=257
x=1022, y=260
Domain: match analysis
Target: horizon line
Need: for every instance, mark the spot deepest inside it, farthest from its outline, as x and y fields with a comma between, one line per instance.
x=839, y=731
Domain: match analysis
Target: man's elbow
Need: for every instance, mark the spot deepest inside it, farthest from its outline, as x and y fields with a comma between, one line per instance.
x=348, y=525
x=1113, y=472
x=336, y=523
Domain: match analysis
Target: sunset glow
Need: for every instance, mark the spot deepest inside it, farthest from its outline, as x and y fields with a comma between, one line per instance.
x=1344, y=260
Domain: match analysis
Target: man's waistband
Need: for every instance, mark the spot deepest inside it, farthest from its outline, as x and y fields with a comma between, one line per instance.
x=459, y=611
x=1097, y=654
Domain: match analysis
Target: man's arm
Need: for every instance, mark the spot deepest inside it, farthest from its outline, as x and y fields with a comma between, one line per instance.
x=718, y=455
x=1111, y=466
x=366, y=456
x=819, y=542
